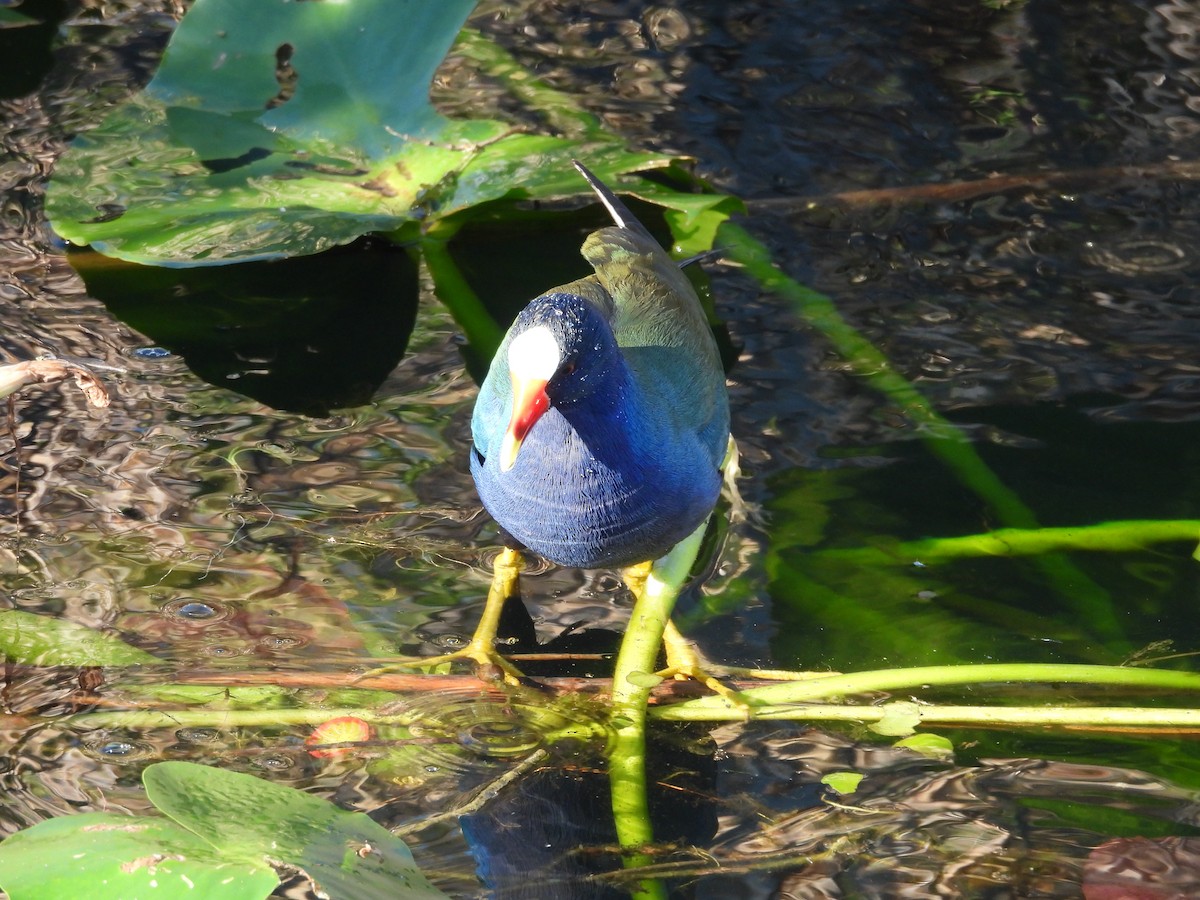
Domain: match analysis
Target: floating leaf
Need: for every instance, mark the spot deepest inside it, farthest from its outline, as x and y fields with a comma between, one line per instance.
x=270, y=129
x=346, y=854
x=282, y=129
x=44, y=641
x=928, y=744
x=692, y=218
x=842, y=782
x=900, y=717
x=103, y=856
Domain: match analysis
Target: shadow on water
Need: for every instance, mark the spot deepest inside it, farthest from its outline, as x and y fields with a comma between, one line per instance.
x=305, y=335
x=999, y=195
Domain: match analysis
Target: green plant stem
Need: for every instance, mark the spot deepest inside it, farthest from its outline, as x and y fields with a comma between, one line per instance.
x=1098, y=718
x=942, y=438
x=633, y=679
x=1120, y=536
x=453, y=290
x=230, y=718
x=560, y=109
x=784, y=700
x=837, y=686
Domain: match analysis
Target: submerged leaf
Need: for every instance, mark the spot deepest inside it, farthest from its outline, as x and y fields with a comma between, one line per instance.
x=933, y=745
x=344, y=729
x=45, y=641
x=843, y=782
x=900, y=717
x=10, y=18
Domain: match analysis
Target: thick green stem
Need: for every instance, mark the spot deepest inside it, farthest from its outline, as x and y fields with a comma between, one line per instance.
x=833, y=687
x=228, y=718
x=941, y=437
x=633, y=679
x=923, y=715
x=453, y=290
x=1108, y=537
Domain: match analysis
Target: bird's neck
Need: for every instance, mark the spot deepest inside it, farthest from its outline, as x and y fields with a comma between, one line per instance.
x=612, y=419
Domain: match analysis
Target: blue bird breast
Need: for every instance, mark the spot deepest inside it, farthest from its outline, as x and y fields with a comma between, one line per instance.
x=601, y=485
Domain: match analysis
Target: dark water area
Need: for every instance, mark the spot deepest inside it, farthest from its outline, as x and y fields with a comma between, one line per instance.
x=1000, y=196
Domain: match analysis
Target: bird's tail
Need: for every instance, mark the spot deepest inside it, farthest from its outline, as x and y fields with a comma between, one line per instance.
x=618, y=210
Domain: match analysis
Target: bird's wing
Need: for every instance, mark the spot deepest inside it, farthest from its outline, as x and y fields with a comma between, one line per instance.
x=664, y=336
x=655, y=303
x=661, y=327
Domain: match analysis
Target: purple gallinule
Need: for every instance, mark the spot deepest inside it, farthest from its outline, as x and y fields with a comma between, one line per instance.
x=602, y=426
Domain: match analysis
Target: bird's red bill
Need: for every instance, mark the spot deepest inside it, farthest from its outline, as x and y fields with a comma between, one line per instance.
x=529, y=402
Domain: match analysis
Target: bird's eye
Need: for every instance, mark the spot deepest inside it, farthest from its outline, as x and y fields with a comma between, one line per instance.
x=568, y=368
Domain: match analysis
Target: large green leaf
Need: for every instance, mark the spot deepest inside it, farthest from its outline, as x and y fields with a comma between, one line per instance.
x=347, y=854
x=103, y=856
x=45, y=641
x=223, y=835
x=284, y=128
x=270, y=129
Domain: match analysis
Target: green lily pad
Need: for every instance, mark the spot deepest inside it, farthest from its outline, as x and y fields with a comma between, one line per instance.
x=270, y=129
x=223, y=836
x=692, y=218
x=347, y=854
x=283, y=129
x=104, y=856
x=44, y=641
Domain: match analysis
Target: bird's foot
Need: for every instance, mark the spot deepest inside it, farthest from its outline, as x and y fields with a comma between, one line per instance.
x=684, y=661
x=490, y=665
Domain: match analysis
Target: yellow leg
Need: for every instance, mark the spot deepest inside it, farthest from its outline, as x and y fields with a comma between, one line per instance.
x=660, y=583
x=635, y=577
x=481, y=649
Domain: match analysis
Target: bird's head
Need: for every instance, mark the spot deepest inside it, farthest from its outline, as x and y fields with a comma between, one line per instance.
x=560, y=348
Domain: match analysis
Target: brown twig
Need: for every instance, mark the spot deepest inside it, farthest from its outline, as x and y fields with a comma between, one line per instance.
x=956, y=191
